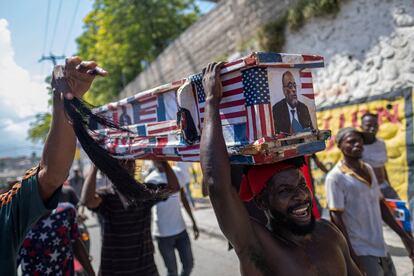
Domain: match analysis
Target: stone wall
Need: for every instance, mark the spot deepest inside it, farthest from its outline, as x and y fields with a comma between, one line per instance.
x=216, y=35
x=366, y=47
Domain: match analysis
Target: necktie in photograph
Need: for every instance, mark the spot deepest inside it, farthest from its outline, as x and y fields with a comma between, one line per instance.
x=296, y=126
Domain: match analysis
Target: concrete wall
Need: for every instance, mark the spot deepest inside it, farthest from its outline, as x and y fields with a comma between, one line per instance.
x=216, y=35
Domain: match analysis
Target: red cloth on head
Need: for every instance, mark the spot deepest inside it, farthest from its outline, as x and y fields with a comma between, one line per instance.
x=306, y=170
x=257, y=176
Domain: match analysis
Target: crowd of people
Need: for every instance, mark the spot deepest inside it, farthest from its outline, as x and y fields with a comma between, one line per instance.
x=264, y=211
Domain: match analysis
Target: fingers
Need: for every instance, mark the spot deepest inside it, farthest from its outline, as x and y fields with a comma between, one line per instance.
x=84, y=66
x=72, y=62
x=98, y=71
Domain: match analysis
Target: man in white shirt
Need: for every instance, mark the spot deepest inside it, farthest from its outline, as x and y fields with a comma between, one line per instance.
x=375, y=154
x=170, y=229
x=357, y=207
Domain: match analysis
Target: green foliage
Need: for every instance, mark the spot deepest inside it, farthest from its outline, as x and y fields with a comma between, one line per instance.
x=40, y=127
x=272, y=35
x=125, y=35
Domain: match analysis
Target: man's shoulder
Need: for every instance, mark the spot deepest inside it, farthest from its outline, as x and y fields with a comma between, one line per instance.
x=279, y=105
x=334, y=173
x=327, y=229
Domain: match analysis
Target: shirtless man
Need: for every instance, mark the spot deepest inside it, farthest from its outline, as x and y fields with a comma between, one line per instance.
x=292, y=243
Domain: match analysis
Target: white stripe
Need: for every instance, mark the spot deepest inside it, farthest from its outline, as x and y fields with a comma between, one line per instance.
x=233, y=86
x=233, y=67
x=305, y=80
x=251, y=129
x=148, y=105
x=148, y=116
x=233, y=121
x=228, y=110
x=230, y=76
x=258, y=125
x=228, y=99
x=268, y=121
x=162, y=125
x=306, y=91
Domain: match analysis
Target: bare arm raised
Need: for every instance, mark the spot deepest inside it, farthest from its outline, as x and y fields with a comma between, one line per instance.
x=229, y=209
x=71, y=80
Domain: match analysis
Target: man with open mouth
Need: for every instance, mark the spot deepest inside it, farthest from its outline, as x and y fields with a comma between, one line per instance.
x=292, y=243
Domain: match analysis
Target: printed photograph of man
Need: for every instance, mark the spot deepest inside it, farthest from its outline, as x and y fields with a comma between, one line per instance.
x=124, y=118
x=289, y=114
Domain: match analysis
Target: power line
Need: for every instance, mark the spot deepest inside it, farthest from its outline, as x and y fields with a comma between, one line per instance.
x=55, y=26
x=71, y=28
x=52, y=58
x=46, y=27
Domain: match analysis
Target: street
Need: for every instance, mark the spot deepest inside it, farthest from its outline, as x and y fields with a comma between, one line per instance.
x=210, y=250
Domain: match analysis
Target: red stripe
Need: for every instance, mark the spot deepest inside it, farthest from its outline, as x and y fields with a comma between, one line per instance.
x=262, y=120
x=228, y=104
x=147, y=111
x=232, y=63
x=311, y=58
x=147, y=99
x=193, y=147
x=162, y=130
x=272, y=127
x=231, y=115
x=305, y=74
x=162, y=141
x=232, y=92
x=307, y=85
x=232, y=80
x=310, y=96
x=148, y=120
x=254, y=122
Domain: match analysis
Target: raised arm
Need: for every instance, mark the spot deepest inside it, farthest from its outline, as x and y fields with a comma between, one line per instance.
x=229, y=209
x=89, y=197
x=71, y=80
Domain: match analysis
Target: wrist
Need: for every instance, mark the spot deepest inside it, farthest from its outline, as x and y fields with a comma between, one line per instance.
x=212, y=101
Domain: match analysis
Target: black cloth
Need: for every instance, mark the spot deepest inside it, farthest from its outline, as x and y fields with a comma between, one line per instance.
x=281, y=116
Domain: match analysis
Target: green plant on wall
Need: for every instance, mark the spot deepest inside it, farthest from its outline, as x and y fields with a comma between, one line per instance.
x=272, y=35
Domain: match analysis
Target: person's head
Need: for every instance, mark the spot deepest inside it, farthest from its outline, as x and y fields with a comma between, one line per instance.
x=76, y=173
x=289, y=89
x=350, y=142
x=369, y=124
x=284, y=198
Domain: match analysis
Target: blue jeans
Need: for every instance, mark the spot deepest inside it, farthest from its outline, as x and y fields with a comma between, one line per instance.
x=167, y=246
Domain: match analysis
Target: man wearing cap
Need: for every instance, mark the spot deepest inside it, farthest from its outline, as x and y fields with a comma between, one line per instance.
x=292, y=243
x=357, y=207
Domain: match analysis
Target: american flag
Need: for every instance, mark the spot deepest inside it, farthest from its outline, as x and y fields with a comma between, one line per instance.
x=259, y=111
x=306, y=84
x=232, y=105
x=145, y=109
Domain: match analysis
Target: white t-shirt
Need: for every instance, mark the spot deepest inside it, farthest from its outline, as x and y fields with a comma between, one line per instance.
x=167, y=214
x=184, y=167
x=360, y=203
x=375, y=154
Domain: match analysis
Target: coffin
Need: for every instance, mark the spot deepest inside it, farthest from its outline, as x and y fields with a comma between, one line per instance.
x=259, y=93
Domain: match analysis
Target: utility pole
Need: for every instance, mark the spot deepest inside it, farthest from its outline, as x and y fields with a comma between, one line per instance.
x=52, y=58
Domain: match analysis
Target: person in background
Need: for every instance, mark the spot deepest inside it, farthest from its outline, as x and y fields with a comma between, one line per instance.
x=127, y=247
x=185, y=178
x=76, y=182
x=52, y=243
x=170, y=229
x=39, y=190
x=375, y=154
x=357, y=207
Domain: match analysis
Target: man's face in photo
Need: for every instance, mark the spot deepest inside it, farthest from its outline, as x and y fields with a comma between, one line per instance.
x=289, y=89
